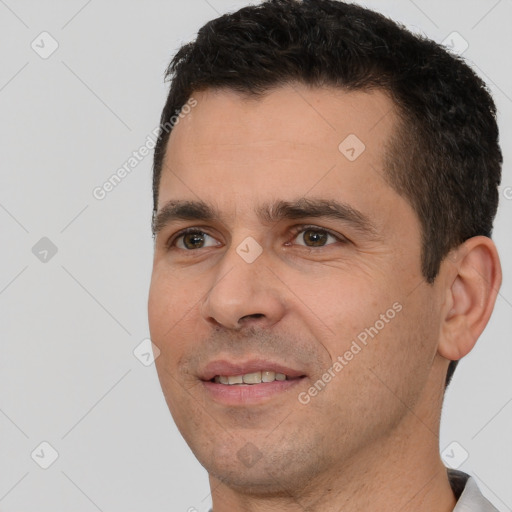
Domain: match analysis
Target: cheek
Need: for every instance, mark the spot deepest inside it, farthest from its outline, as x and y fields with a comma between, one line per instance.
x=163, y=317
x=172, y=316
x=170, y=300
x=376, y=323
x=401, y=354
x=384, y=368
x=166, y=314
x=345, y=306
x=159, y=305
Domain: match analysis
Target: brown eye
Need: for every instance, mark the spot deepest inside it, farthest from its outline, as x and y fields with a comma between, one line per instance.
x=314, y=237
x=193, y=239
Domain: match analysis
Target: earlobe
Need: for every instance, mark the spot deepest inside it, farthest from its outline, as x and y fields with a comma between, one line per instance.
x=473, y=274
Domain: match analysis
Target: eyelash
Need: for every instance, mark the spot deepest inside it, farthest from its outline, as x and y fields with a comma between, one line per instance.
x=294, y=232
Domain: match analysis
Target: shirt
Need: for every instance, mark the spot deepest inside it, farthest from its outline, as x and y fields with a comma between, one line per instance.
x=469, y=497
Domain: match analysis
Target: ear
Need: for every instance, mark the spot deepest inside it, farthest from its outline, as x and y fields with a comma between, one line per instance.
x=473, y=278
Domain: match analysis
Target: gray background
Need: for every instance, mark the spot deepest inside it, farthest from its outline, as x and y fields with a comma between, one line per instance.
x=69, y=324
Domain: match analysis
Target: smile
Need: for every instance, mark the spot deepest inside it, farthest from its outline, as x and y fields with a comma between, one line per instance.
x=243, y=383
x=250, y=378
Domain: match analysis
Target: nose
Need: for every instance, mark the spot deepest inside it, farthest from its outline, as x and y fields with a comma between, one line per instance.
x=244, y=294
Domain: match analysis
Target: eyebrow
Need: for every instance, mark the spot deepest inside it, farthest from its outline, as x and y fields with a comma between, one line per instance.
x=269, y=213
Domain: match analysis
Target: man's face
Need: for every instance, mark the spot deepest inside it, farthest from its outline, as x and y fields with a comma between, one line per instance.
x=291, y=292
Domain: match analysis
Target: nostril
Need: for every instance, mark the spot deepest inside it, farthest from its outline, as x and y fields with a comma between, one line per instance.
x=255, y=315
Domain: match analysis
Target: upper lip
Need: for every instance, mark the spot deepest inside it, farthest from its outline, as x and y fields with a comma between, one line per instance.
x=225, y=367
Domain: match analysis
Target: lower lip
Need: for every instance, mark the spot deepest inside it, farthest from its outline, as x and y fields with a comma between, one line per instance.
x=248, y=394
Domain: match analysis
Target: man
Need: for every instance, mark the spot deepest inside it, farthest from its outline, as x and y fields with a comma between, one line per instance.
x=323, y=205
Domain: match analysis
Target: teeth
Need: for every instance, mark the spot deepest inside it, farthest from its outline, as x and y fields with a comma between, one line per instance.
x=268, y=376
x=250, y=378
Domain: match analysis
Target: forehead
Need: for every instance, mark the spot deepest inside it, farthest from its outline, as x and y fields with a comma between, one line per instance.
x=283, y=119
x=295, y=140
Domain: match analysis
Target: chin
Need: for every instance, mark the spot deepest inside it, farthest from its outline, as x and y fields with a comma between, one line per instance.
x=259, y=481
x=271, y=471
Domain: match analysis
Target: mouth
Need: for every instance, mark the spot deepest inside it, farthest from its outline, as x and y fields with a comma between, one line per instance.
x=252, y=382
x=258, y=377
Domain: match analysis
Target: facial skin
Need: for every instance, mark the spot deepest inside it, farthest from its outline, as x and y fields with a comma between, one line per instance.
x=370, y=436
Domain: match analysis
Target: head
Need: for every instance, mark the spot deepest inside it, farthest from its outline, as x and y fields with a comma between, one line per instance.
x=286, y=94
